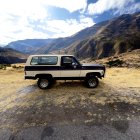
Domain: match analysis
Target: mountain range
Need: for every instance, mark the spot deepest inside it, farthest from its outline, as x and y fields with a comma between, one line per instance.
x=108, y=38
x=9, y=56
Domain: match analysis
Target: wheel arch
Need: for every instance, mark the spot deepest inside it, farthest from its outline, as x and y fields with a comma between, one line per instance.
x=44, y=76
x=97, y=74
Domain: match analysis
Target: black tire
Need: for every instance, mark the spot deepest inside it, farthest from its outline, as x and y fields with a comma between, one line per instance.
x=44, y=83
x=92, y=82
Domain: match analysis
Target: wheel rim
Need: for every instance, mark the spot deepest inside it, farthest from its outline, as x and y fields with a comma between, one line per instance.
x=44, y=83
x=92, y=82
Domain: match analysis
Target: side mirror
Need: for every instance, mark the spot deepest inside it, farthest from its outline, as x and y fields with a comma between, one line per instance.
x=74, y=65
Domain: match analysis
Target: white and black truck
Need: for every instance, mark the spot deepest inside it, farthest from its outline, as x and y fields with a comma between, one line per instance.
x=47, y=68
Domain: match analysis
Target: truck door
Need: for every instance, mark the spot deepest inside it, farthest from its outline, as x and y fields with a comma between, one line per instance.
x=70, y=67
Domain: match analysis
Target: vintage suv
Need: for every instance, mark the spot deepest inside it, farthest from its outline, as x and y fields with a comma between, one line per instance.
x=47, y=68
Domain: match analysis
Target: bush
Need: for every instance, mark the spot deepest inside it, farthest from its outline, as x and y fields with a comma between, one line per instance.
x=3, y=66
x=8, y=65
x=116, y=62
x=14, y=66
x=17, y=67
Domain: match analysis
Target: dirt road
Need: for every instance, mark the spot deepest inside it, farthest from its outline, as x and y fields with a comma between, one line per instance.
x=69, y=110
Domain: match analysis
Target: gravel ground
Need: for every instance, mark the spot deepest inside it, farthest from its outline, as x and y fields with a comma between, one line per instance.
x=69, y=110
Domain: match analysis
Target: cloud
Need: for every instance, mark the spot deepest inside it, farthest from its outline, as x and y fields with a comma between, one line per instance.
x=128, y=10
x=23, y=8
x=70, y=5
x=102, y=6
x=63, y=28
x=11, y=30
x=22, y=19
x=38, y=7
x=19, y=20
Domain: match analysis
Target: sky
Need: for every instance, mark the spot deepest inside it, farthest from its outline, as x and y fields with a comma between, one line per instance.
x=42, y=19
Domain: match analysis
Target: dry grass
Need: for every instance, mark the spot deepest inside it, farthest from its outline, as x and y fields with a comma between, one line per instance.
x=123, y=80
x=23, y=104
x=123, y=77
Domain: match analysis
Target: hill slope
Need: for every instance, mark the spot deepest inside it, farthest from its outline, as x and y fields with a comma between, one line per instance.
x=9, y=56
x=39, y=46
x=117, y=36
x=129, y=59
x=29, y=45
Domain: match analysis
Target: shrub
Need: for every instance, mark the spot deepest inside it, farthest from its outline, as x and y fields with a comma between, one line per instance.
x=116, y=62
x=3, y=66
x=17, y=67
x=14, y=66
x=8, y=65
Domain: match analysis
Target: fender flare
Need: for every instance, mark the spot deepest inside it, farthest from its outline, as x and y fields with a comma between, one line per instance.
x=96, y=74
x=44, y=76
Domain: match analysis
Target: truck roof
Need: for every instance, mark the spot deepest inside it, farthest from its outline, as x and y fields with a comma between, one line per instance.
x=50, y=55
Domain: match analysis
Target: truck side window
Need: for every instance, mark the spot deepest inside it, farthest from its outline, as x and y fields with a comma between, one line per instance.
x=44, y=60
x=67, y=61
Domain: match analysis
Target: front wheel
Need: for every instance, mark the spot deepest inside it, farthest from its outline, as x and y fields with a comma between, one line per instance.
x=44, y=83
x=92, y=82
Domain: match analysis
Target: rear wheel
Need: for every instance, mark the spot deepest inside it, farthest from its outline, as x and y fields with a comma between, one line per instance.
x=44, y=83
x=92, y=82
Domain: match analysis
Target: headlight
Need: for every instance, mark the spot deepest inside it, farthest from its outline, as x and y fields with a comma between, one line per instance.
x=102, y=73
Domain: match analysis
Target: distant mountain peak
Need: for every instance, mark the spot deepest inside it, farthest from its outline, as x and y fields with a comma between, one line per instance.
x=9, y=56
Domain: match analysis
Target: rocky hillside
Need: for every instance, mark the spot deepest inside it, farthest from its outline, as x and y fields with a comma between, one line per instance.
x=129, y=59
x=44, y=46
x=62, y=44
x=116, y=36
x=104, y=39
x=39, y=46
x=9, y=56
